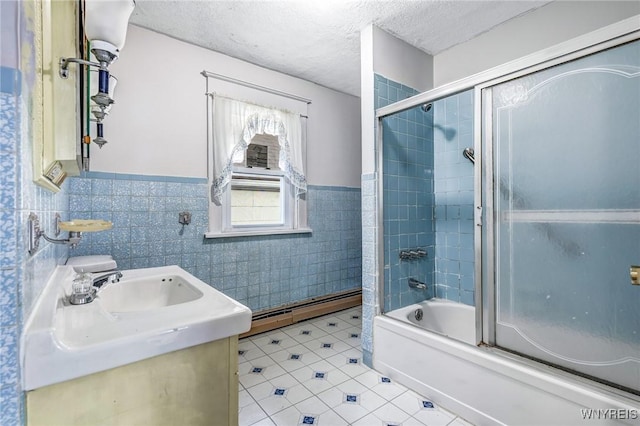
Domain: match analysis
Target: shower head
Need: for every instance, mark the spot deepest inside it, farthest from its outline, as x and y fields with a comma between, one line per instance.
x=426, y=107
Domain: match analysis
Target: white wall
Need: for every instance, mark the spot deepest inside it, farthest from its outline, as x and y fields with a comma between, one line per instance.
x=158, y=124
x=551, y=24
x=381, y=53
x=367, y=100
x=401, y=62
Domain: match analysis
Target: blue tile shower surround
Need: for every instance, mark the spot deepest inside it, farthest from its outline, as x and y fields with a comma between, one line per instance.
x=408, y=196
x=386, y=92
x=261, y=272
x=428, y=203
x=453, y=191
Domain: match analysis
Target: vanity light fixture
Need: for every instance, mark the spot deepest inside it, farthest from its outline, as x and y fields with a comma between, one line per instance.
x=105, y=26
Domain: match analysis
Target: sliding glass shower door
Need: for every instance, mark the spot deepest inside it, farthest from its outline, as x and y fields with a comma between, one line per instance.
x=566, y=191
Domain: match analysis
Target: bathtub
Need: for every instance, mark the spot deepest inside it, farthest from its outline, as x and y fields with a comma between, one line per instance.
x=436, y=356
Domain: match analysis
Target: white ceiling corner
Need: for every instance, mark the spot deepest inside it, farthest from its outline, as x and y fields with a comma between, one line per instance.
x=319, y=41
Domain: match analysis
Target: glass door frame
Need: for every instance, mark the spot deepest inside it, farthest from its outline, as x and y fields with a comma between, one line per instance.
x=485, y=299
x=485, y=177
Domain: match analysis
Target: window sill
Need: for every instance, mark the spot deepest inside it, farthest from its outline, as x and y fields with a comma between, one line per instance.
x=254, y=233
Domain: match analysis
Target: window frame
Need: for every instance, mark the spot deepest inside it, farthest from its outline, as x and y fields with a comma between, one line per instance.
x=296, y=207
x=285, y=194
x=294, y=210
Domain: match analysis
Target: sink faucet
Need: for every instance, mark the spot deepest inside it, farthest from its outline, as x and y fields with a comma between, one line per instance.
x=108, y=277
x=85, y=294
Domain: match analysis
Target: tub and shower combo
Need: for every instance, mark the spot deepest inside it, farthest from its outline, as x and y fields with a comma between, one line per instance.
x=508, y=228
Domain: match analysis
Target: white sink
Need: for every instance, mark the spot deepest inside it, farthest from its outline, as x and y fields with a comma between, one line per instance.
x=143, y=294
x=148, y=313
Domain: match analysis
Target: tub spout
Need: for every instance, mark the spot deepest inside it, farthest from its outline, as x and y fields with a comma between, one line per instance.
x=413, y=283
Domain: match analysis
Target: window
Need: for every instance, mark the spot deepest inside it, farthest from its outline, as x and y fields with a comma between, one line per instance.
x=250, y=193
x=258, y=189
x=256, y=200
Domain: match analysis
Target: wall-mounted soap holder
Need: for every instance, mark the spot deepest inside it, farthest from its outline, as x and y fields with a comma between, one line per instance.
x=75, y=228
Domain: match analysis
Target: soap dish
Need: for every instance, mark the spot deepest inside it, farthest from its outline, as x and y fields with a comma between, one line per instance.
x=85, y=225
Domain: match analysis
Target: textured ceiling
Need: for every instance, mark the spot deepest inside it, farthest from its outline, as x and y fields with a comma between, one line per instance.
x=319, y=40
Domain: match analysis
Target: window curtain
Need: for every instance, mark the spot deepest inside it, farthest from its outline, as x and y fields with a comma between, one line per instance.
x=235, y=123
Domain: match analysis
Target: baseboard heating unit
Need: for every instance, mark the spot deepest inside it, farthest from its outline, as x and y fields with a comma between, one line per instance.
x=290, y=314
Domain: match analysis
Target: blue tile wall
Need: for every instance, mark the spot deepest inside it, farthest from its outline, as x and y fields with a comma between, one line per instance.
x=369, y=272
x=453, y=191
x=261, y=272
x=22, y=277
x=428, y=203
x=10, y=319
x=408, y=196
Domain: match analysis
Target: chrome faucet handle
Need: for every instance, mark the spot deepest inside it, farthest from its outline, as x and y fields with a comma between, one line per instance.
x=106, y=278
x=413, y=283
x=82, y=290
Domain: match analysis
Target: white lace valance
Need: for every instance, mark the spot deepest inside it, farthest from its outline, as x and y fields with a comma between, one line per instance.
x=235, y=123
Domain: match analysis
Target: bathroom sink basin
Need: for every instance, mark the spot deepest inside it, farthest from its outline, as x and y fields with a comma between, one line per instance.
x=149, y=312
x=143, y=294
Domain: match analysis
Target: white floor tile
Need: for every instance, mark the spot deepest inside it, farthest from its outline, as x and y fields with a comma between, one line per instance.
x=354, y=406
x=331, y=418
x=328, y=385
x=263, y=361
x=266, y=388
x=390, y=414
x=247, y=350
x=382, y=385
x=352, y=386
x=250, y=414
x=244, y=399
x=258, y=370
x=349, y=362
x=369, y=420
x=434, y=417
x=327, y=346
x=311, y=380
x=323, y=365
x=409, y=401
x=264, y=422
x=278, y=401
x=413, y=422
x=274, y=342
x=332, y=397
x=351, y=317
x=287, y=417
x=295, y=357
x=312, y=405
x=351, y=412
x=306, y=333
x=351, y=336
x=459, y=421
x=311, y=408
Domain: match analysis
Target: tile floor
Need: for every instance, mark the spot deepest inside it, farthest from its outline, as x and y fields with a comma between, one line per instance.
x=311, y=373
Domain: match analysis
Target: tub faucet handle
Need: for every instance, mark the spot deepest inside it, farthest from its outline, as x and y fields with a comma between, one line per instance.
x=413, y=283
